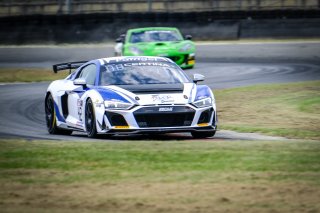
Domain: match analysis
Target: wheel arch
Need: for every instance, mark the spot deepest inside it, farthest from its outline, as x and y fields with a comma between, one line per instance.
x=97, y=101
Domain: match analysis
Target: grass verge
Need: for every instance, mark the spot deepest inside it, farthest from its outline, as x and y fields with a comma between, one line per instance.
x=290, y=110
x=29, y=75
x=153, y=176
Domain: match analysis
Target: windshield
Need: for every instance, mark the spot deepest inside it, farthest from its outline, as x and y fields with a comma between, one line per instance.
x=155, y=36
x=136, y=73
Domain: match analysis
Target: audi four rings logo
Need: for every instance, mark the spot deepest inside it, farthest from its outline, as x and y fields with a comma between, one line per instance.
x=165, y=109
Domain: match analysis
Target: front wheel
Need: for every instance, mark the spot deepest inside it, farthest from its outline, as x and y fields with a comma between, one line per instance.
x=90, y=120
x=200, y=135
x=51, y=118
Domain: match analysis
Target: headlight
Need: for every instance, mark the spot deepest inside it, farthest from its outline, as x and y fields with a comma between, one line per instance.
x=135, y=50
x=203, y=103
x=117, y=105
x=186, y=48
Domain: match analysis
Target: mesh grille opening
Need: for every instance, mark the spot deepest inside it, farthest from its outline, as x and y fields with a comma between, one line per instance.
x=164, y=120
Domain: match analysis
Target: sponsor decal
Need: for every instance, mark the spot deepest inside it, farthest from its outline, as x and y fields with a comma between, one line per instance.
x=165, y=109
x=130, y=59
x=121, y=67
x=79, y=104
x=147, y=64
x=134, y=59
x=162, y=98
x=97, y=103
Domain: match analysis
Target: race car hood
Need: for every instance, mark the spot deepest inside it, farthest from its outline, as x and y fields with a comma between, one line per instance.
x=164, y=48
x=154, y=88
x=156, y=93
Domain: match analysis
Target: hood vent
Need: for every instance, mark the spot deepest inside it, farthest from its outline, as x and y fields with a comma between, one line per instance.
x=153, y=88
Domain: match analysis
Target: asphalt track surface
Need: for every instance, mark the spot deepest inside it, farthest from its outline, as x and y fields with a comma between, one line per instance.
x=224, y=65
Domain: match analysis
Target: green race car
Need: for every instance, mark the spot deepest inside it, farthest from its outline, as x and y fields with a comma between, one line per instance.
x=157, y=41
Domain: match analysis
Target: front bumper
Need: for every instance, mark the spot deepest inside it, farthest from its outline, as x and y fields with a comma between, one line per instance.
x=161, y=131
x=159, y=119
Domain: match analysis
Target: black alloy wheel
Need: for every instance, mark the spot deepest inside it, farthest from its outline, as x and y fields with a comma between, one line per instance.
x=51, y=118
x=90, y=120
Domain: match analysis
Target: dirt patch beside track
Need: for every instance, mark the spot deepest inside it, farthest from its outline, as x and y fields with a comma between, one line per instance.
x=160, y=197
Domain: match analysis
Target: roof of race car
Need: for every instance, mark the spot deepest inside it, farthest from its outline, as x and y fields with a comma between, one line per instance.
x=151, y=29
x=134, y=59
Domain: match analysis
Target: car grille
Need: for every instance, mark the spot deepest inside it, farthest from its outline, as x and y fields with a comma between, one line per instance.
x=178, y=59
x=175, y=58
x=162, y=117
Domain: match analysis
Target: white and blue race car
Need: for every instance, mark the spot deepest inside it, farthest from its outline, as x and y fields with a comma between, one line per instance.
x=129, y=95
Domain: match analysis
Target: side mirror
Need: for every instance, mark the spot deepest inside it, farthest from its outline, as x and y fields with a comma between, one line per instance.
x=188, y=37
x=80, y=82
x=197, y=78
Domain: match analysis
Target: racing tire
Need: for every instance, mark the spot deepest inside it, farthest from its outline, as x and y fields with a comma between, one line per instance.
x=200, y=135
x=51, y=120
x=90, y=120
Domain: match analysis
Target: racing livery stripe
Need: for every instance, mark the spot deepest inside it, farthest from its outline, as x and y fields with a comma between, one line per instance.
x=59, y=117
x=108, y=94
x=123, y=94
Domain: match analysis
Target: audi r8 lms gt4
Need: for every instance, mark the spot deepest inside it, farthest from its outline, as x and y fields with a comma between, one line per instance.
x=157, y=41
x=129, y=95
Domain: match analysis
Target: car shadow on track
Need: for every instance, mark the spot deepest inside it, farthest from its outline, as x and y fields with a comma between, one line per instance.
x=139, y=137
